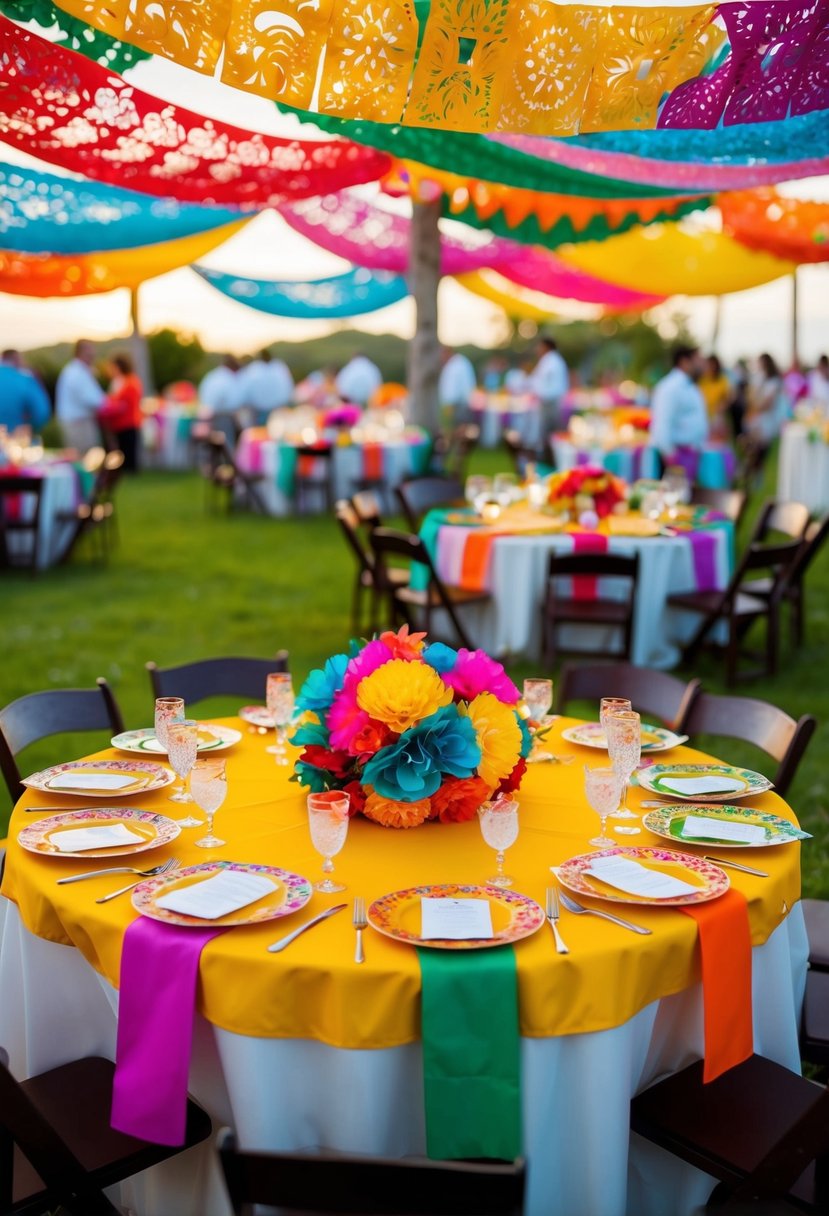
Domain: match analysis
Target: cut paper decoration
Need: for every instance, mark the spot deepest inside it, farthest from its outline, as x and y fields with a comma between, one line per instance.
x=351, y=294
x=786, y=227
x=74, y=34
x=509, y=296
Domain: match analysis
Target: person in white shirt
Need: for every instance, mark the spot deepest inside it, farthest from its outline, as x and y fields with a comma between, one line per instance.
x=218, y=386
x=359, y=380
x=819, y=383
x=77, y=398
x=456, y=384
x=263, y=385
x=679, y=418
x=549, y=381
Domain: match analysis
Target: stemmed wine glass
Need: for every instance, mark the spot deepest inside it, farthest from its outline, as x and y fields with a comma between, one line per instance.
x=328, y=821
x=182, y=747
x=603, y=787
x=611, y=705
x=208, y=785
x=499, y=828
x=167, y=709
x=279, y=695
x=624, y=746
x=538, y=698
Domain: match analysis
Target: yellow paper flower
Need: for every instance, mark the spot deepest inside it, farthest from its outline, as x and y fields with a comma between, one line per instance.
x=401, y=694
x=499, y=737
x=392, y=814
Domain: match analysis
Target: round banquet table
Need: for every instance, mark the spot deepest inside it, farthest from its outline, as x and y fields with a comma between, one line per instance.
x=166, y=435
x=65, y=486
x=803, y=466
x=498, y=412
x=714, y=470
x=303, y=1049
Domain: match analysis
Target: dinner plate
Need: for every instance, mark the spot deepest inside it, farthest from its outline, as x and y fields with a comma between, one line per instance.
x=210, y=739
x=710, y=880
x=654, y=738
x=257, y=715
x=668, y=821
x=292, y=893
x=155, y=830
x=624, y=525
x=397, y=915
x=737, y=782
x=146, y=777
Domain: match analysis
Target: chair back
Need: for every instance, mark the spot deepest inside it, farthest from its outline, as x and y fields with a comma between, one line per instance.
x=327, y=1183
x=731, y=503
x=758, y=722
x=418, y=495
x=367, y=507
x=387, y=542
x=655, y=694
x=93, y=460
x=462, y=443
x=225, y=677
x=600, y=565
x=30, y=491
x=787, y=518
x=349, y=523
x=813, y=541
x=39, y=715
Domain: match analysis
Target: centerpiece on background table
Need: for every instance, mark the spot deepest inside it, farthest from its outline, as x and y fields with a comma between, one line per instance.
x=411, y=730
x=586, y=491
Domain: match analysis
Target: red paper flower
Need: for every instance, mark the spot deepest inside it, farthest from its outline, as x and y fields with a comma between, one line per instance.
x=459, y=798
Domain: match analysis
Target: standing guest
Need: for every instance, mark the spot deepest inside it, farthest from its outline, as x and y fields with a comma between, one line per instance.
x=217, y=387
x=549, y=381
x=263, y=385
x=121, y=410
x=766, y=405
x=716, y=393
x=795, y=384
x=517, y=379
x=359, y=380
x=819, y=382
x=456, y=384
x=739, y=397
x=23, y=400
x=679, y=420
x=78, y=396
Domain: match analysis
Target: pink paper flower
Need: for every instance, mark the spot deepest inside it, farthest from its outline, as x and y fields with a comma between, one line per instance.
x=475, y=672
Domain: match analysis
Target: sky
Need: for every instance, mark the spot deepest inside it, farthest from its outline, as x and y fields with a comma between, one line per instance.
x=750, y=321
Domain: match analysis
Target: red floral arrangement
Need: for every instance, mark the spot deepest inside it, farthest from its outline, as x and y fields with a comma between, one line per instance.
x=587, y=481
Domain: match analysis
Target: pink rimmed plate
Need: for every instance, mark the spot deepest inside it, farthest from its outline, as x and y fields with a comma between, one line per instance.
x=155, y=830
x=292, y=893
x=710, y=880
x=145, y=777
x=398, y=915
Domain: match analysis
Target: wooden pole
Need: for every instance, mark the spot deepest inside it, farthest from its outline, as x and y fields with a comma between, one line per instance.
x=715, y=333
x=138, y=346
x=795, y=342
x=424, y=349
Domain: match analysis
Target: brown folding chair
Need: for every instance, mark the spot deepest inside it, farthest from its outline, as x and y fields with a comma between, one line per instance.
x=367, y=507
x=317, y=481
x=350, y=1185
x=521, y=453
x=57, y=1149
x=20, y=501
x=777, y=519
x=814, y=1023
x=463, y=440
x=558, y=610
x=761, y=1130
x=412, y=606
x=58, y=711
x=731, y=503
x=224, y=476
x=417, y=495
x=225, y=677
x=96, y=516
x=753, y=721
x=816, y=916
x=364, y=583
x=794, y=590
x=654, y=693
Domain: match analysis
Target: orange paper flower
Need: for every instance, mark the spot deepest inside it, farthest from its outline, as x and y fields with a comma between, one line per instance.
x=459, y=798
x=392, y=814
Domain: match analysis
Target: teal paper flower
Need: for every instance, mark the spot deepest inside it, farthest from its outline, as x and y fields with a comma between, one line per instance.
x=318, y=691
x=444, y=744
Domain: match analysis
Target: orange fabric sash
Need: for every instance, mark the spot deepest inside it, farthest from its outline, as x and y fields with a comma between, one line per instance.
x=373, y=461
x=475, y=564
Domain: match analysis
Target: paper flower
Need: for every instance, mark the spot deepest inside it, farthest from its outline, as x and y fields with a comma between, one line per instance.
x=400, y=694
x=412, y=768
x=393, y=814
x=475, y=672
x=403, y=645
x=458, y=799
x=318, y=690
x=499, y=737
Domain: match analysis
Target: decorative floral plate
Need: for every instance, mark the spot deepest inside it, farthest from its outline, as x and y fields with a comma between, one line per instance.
x=710, y=880
x=257, y=715
x=292, y=893
x=654, y=738
x=154, y=829
x=210, y=739
x=146, y=777
x=737, y=782
x=669, y=821
x=398, y=915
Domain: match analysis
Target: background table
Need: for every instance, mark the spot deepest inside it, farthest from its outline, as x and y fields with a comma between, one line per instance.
x=606, y=1020
x=498, y=412
x=166, y=436
x=803, y=467
x=714, y=470
x=65, y=485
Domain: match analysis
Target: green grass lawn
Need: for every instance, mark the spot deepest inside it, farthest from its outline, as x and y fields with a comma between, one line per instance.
x=186, y=584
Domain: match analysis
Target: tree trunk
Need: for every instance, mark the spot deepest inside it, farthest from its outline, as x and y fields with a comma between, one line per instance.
x=424, y=349
x=795, y=323
x=138, y=347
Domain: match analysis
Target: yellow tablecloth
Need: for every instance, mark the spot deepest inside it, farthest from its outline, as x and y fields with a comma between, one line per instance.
x=313, y=989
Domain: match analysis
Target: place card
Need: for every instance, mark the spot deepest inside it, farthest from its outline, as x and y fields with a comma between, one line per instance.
x=701, y=785
x=705, y=828
x=455, y=919
x=107, y=836
x=94, y=781
x=219, y=895
x=634, y=879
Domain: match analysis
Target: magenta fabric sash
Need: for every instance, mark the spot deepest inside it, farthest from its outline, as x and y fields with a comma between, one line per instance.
x=159, y=979
x=704, y=552
x=585, y=585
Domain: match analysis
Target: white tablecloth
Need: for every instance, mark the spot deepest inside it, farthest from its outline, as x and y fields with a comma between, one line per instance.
x=803, y=467
x=297, y=1094
x=165, y=438
x=503, y=413
x=60, y=494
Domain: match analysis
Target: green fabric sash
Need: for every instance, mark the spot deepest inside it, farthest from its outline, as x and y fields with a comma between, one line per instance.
x=471, y=1053
x=432, y=523
x=286, y=472
x=421, y=458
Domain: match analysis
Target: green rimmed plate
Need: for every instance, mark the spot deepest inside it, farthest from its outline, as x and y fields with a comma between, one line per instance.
x=724, y=782
x=143, y=742
x=669, y=822
x=654, y=738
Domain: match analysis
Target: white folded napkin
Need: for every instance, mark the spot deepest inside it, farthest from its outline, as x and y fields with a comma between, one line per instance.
x=218, y=895
x=93, y=781
x=705, y=828
x=455, y=919
x=701, y=785
x=634, y=879
x=107, y=836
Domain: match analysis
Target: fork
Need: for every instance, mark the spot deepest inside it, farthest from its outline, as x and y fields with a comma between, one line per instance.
x=579, y=910
x=159, y=869
x=167, y=868
x=553, y=913
x=359, y=921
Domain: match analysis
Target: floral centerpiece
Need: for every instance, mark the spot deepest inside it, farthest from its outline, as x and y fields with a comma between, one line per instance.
x=586, y=488
x=411, y=731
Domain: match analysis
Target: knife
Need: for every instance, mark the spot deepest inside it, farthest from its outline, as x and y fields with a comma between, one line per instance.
x=282, y=942
x=735, y=865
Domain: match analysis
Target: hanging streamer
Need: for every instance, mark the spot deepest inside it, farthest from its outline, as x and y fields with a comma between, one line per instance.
x=667, y=260
x=74, y=34
x=785, y=227
x=497, y=291
x=26, y=274
x=351, y=294
x=69, y=111
x=42, y=213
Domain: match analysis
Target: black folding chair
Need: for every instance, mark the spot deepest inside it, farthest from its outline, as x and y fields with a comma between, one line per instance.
x=20, y=502
x=225, y=677
x=417, y=495
x=656, y=694
x=618, y=614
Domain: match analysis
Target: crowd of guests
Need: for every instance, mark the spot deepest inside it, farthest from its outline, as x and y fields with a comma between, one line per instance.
x=264, y=383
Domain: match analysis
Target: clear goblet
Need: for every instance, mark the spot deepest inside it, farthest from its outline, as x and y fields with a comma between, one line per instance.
x=167, y=709
x=182, y=747
x=499, y=828
x=279, y=696
x=624, y=746
x=208, y=785
x=603, y=787
x=611, y=705
x=538, y=697
x=328, y=821
x=476, y=485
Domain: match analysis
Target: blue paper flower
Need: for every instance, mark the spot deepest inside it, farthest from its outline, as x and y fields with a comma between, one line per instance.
x=526, y=738
x=412, y=768
x=441, y=657
x=317, y=692
x=310, y=734
x=315, y=779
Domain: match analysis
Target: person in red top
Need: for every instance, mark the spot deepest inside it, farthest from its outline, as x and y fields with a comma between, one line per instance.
x=121, y=411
